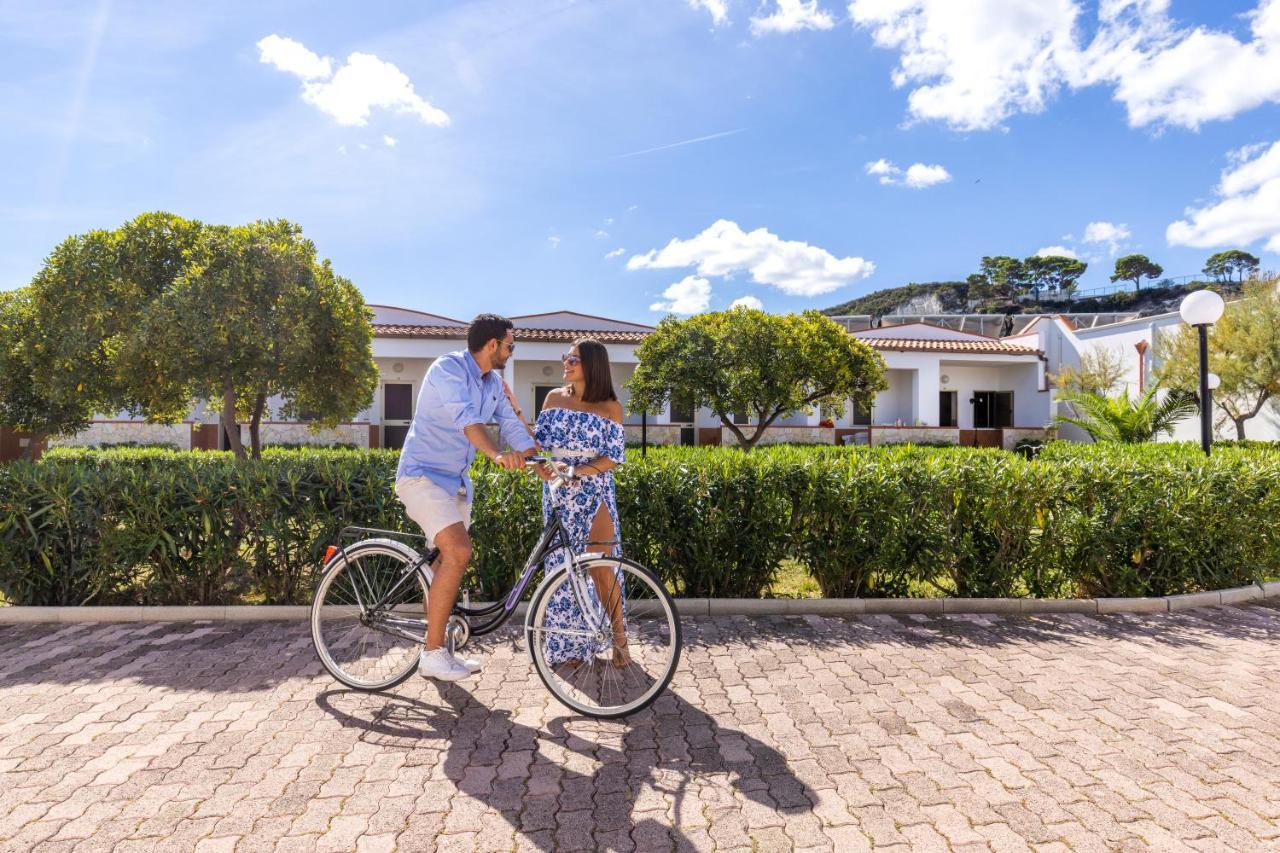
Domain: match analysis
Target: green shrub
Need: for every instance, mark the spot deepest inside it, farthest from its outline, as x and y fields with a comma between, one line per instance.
x=157, y=526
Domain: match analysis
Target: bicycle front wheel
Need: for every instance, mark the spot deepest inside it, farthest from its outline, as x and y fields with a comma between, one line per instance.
x=362, y=644
x=604, y=636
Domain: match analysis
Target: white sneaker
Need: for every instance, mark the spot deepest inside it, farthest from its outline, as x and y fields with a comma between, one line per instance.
x=441, y=665
x=469, y=664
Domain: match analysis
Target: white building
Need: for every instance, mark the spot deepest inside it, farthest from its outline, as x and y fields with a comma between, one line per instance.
x=1137, y=341
x=951, y=380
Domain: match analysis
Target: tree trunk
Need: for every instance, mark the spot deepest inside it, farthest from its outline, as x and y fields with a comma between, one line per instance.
x=255, y=441
x=229, y=424
x=743, y=441
x=1239, y=422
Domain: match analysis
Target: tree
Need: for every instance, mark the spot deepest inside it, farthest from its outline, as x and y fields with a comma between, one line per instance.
x=1223, y=264
x=163, y=312
x=1120, y=418
x=747, y=361
x=80, y=308
x=1135, y=268
x=255, y=316
x=1244, y=351
x=1055, y=273
x=1006, y=276
x=979, y=288
x=21, y=406
x=1100, y=372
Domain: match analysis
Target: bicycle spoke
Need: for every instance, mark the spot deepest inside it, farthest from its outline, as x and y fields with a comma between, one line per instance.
x=361, y=647
x=623, y=614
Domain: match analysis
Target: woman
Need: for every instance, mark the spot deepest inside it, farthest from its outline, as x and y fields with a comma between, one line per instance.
x=581, y=425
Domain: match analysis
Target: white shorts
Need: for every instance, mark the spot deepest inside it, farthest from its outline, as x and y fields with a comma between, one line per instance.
x=431, y=507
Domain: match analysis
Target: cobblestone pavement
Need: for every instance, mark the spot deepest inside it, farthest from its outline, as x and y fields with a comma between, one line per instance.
x=930, y=733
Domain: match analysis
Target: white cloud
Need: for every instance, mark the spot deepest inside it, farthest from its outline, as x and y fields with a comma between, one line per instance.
x=293, y=58
x=342, y=149
x=917, y=176
x=601, y=234
x=616, y=253
x=920, y=176
x=363, y=84
x=795, y=268
x=974, y=64
x=1056, y=252
x=1166, y=74
x=719, y=10
x=887, y=172
x=748, y=302
x=792, y=16
x=554, y=241
x=389, y=141
x=1247, y=210
x=1106, y=232
x=971, y=64
x=689, y=295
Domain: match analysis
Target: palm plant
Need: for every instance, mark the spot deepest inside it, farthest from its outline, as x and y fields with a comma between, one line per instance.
x=1123, y=419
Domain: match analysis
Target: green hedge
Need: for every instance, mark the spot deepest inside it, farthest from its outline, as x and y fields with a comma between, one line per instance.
x=164, y=527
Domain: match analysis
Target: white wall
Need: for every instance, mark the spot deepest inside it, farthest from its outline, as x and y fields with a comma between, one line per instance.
x=895, y=402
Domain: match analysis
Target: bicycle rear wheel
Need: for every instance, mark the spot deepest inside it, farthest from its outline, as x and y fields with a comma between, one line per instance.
x=618, y=657
x=364, y=647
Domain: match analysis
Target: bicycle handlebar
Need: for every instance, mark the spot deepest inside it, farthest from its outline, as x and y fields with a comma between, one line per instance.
x=563, y=471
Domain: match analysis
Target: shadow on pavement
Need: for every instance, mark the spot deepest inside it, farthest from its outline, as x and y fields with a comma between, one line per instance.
x=638, y=765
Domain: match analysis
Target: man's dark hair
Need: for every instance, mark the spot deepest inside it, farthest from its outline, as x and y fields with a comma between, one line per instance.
x=485, y=328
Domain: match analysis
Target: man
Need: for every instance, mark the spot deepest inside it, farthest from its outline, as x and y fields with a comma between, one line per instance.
x=462, y=392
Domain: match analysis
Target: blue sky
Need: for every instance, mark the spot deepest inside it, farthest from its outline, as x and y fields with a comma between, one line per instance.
x=521, y=143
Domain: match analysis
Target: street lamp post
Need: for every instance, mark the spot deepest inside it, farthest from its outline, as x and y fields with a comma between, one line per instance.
x=1202, y=309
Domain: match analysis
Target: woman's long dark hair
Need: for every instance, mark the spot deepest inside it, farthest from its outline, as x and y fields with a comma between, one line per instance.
x=595, y=371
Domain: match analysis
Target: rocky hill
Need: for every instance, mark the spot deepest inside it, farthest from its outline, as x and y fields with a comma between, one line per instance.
x=952, y=297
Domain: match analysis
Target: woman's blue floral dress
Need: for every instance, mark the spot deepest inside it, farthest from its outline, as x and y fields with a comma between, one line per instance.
x=576, y=437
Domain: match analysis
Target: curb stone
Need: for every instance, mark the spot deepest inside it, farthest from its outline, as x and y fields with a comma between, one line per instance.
x=690, y=607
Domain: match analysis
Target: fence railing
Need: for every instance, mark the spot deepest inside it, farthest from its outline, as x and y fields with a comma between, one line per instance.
x=1117, y=287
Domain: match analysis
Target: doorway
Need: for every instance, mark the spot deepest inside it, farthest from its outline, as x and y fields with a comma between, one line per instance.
x=992, y=409
x=948, y=409
x=397, y=413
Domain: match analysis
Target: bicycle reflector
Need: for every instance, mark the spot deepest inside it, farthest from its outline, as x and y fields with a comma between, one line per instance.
x=329, y=552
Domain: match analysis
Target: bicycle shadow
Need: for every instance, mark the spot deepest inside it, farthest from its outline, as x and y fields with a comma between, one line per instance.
x=643, y=764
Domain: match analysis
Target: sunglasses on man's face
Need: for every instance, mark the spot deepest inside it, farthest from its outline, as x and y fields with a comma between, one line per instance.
x=571, y=360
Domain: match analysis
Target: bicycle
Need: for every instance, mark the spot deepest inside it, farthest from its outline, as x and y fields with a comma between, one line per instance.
x=368, y=616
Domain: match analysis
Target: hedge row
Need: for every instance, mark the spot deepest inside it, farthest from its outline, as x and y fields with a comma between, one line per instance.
x=157, y=527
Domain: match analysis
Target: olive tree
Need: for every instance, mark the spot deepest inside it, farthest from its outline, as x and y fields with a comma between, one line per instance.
x=1244, y=351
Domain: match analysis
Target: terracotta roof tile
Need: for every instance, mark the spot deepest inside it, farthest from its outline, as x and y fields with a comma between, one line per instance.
x=397, y=330
x=989, y=347
x=912, y=345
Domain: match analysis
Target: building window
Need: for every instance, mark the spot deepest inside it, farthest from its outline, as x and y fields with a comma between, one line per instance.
x=681, y=412
x=861, y=411
x=992, y=409
x=948, y=409
x=540, y=393
x=740, y=419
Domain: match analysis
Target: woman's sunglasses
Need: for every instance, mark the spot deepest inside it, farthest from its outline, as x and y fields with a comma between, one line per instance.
x=571, y=360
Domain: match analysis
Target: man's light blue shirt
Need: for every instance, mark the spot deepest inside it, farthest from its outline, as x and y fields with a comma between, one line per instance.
x=454, y=396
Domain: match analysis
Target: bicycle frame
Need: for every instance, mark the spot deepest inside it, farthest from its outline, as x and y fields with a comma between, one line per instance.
x=554, y=536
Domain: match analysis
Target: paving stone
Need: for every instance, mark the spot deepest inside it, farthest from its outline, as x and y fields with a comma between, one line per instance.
x=1052, y=732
